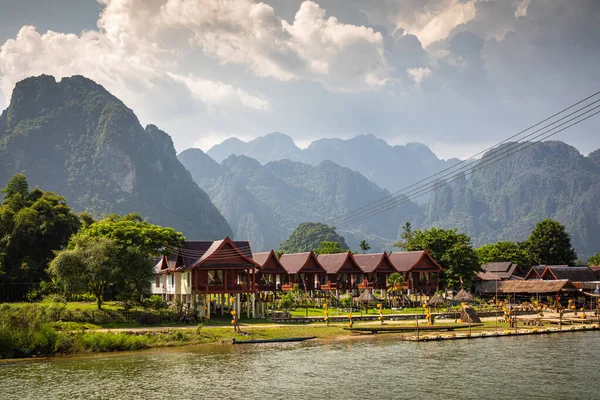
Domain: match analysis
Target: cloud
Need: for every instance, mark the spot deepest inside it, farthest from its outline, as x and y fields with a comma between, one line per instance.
x=419, y=74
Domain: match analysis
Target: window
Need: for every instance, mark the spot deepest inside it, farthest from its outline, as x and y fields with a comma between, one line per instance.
x=157, y=278
x=188, y=278
x=172, y=280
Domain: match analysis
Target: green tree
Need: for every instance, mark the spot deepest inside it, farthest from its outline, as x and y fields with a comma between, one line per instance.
x=503, y=251
x=96, y=263
x=364, y=246
x=452, y=250
x=329, y=248
x=594, y=260
x=550, y=244
x=395, y=281
x=33, y=224
x=405, y=236
x=131, y=231
x=308, y=236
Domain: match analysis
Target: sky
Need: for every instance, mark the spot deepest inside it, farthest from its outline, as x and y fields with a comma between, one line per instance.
x=456, y=75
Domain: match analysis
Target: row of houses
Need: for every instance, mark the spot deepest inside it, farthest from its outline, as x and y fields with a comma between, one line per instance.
x=206, y=268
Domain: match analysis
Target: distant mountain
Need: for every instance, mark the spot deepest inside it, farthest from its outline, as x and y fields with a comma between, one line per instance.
x=265, y=203
x=504, y=201
x=374, y=158
x=74, y=138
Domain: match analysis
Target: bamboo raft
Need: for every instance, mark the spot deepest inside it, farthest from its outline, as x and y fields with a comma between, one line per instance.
x=441, y=327
x=283, y=340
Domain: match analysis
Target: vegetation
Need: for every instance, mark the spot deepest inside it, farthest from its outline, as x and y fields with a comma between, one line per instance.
x=550, y=244
x=364, y=246
x=594, y=260
x=309, y=236
x=32, y=225
x=395, y=281
x=329, y=248
x=452, y=250
x=78, y=140
x=504, y=251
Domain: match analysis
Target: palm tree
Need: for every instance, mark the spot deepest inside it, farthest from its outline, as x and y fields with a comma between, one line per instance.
x=364, y=246
x=395, y=282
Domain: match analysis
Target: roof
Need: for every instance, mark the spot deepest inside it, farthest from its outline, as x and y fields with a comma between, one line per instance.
x=596, y=270
x=371, y=262
x=269, y=262
x=488, y=276
x=339, y=262
x=574, y=274
x=366, y=297
x=294, y=263
x=535, y=272
x=535, y=286
x=437, y=299
x=226, y=252
x=406, y=261
x=463, y=295
x=503, y=270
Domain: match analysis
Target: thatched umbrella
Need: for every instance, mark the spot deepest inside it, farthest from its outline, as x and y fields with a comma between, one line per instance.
x=463, y=295
x=437, y=300
x=366, y=297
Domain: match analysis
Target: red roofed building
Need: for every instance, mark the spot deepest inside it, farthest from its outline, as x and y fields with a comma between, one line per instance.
x=377, y=268
x=304, y=270
x=420, y=271
x=271, y=271
x=343, y=273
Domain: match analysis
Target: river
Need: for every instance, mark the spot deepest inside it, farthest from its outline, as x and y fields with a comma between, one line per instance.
x=560, y=366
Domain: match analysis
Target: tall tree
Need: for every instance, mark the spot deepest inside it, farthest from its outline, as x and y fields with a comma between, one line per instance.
x=452, y=250
x=33, y=224
x=405, y=236
x=594, y=260
x=364, y=246
x=550, y=244
x=504, y=251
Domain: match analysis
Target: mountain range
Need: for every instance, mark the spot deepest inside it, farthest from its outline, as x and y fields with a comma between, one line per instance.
x=76, y=139
x=388, y=166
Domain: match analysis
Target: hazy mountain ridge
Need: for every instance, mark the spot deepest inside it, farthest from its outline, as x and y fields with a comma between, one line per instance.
x=372, y=157
x=74, y=138
x=504, y=201
x=265, y=203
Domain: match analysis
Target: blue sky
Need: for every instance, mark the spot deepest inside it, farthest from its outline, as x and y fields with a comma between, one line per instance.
x=457, y=75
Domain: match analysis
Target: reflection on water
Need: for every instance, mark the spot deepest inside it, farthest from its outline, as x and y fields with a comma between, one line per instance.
x=544, y=367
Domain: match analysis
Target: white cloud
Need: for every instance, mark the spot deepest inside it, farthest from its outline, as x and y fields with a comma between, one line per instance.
x=436, y=20
x=216, y=93
x=419, y=74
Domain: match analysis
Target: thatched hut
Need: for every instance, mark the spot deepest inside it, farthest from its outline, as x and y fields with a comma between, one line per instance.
x=437, y=300
x=366, y=297
x=463, y=296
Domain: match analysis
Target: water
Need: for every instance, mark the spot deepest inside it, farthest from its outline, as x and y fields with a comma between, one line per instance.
x=563, y=366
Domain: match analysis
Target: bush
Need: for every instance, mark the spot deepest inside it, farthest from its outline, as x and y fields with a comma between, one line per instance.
x=155, y=302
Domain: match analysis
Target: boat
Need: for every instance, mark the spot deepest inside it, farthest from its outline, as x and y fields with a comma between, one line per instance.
x=283, y=340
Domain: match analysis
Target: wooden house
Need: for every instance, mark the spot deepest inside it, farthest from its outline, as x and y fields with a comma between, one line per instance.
x=269, y=277
x=420, y=271
x=343, y=273
x=376, y=268
x=304, y=270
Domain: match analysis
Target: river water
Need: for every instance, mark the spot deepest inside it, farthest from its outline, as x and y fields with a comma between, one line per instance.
x=560, y=366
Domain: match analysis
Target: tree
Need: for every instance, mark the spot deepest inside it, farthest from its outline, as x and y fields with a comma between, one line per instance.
x=395, y=281
x=364, y=246
x=452, y=250
x=503, y=251
x=550, y=244
x=131, y=231
x=309, y=236
x=405, y=236
x=329, y=248
x=33, y=224
x=594, y=260
x=96, y=263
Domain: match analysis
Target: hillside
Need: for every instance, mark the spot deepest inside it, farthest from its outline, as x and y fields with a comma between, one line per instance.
x=503, y=202
x=265, y=203
x=374, y=158
x=74, y=138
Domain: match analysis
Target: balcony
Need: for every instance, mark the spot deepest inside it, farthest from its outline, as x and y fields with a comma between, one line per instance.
x=221, y=288
x=329, y=286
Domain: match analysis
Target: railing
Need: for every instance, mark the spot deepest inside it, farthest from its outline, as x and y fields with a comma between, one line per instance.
x=268, y=287
x=329, y=286
x=230, y=288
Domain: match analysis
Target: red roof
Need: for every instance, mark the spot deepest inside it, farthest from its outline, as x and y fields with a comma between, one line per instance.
x=301, y=262
x=379, y=262
x=225, y=253
x=340, y=262
x=408, y=260
x=269, y=263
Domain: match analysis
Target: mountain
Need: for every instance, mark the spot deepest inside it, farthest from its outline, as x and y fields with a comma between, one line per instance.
x=265, y=203
x=74, y=138
x=503, y=202
x=373, y=157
